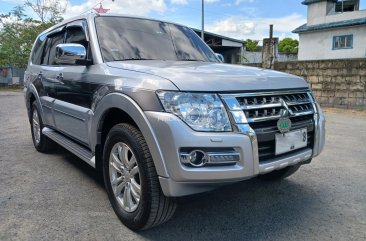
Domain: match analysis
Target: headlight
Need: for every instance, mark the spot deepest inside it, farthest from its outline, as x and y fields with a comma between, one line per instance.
x=202, y=112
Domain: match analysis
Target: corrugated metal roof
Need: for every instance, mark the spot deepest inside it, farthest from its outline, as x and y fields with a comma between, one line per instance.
x=348, y=23
x=307, y=2
x=219, y=36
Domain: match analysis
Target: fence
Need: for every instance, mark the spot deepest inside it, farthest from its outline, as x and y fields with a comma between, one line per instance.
x=256, y=57
x=335, y=83
x=11, y=76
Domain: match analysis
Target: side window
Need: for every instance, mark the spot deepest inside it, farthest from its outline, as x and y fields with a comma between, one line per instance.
x=46, y=52
x=38, y=50
x=57, y=39
x=50, y=48
x=76, y=34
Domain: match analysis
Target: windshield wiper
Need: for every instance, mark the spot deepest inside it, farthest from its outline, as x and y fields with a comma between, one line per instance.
x=193, y=60
x=134, y=59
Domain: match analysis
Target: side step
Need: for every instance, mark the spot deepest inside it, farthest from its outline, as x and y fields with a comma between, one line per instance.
x=78, y=150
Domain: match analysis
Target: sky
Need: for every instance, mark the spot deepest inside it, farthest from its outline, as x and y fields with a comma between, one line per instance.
x=241, y=19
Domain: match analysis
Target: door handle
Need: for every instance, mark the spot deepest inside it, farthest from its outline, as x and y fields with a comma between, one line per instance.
x=60, y=76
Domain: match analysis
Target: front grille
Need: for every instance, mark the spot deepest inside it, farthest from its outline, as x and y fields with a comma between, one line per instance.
x=262, y=111
x=267, y=130
x=267, y=107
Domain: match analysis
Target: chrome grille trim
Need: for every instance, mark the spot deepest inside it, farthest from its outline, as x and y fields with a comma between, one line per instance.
x=269, y=105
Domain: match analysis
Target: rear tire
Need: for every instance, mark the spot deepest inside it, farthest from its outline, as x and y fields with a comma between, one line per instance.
x=131, y=180
x=280, y=174
x=41, y=142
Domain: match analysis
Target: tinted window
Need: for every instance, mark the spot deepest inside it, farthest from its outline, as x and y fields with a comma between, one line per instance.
x=76, y=35
x=50, y=50
x=128, y=38
x=38, y=50
x=46, y=52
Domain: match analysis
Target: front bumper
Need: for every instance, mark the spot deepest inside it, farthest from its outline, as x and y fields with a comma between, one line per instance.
x=173, y=134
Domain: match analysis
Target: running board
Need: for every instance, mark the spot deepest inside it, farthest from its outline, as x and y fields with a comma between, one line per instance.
x=77, y=149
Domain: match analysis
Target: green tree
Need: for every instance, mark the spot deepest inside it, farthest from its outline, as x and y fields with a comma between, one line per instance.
x=288, y=45
x=18, y=33
x=252, y=45
x=47, y=10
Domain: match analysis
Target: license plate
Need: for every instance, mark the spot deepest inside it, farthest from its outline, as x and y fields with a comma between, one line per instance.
x=291, y=141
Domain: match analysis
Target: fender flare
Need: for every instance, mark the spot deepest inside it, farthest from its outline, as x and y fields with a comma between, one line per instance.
x=31, y=90
x=128, y=105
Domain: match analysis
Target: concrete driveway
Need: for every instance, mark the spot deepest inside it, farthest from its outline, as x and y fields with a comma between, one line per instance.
x=58, y=197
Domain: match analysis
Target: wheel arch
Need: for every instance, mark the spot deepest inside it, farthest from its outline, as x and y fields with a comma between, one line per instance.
x=116, y=108
x=31, y=96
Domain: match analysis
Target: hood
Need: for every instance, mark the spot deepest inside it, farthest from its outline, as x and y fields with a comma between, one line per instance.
x=206, y=76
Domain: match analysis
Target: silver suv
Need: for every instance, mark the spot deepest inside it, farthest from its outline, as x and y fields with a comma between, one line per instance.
x=150, y=105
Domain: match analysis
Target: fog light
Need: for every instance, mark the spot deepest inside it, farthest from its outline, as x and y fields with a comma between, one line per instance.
x=195, y=158
x=199, y=158
x=223, y=158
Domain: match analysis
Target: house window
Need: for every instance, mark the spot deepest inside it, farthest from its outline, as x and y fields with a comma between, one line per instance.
x=343, y=42
x=346, y=6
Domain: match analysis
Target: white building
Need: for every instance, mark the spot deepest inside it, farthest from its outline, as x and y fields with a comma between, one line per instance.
x=335, y=29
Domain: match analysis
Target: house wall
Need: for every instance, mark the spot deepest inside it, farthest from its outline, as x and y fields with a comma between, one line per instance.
x=324, y=12
x=319, y=45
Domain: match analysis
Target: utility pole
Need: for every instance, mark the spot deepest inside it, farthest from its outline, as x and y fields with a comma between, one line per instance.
x=203, y=21
x=271, y=42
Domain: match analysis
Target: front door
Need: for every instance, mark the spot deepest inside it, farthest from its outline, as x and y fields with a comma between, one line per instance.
x=72, y=108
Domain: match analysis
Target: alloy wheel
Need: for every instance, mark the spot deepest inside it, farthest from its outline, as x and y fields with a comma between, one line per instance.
x=124, y=176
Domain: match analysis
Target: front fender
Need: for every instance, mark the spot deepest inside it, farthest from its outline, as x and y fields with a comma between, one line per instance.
x=128, y=105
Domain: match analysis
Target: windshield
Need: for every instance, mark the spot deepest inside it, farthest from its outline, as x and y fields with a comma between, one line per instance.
x=123, y=38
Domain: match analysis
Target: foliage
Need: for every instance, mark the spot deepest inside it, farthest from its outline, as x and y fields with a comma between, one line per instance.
x=288, y=45
x=47, y=10
x=18, y=33
x=252, y=45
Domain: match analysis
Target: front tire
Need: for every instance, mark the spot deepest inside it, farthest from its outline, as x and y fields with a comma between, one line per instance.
x=131, y=180
x=41, y=142
x=280, y=174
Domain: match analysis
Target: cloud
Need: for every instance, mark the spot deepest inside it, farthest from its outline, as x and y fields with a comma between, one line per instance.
x=238, y=2
x=130, y=7
x=241, y=28
x=13, y=1
x=179, y=1
x=184, y=2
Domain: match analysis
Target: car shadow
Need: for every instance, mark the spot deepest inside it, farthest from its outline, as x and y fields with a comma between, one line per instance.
x=77, y=163
x=248, y=210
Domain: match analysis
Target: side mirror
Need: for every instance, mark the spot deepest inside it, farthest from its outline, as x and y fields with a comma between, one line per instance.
x=220, y=57
x=70, y=54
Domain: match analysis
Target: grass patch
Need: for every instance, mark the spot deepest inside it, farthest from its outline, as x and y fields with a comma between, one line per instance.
x=15, y=88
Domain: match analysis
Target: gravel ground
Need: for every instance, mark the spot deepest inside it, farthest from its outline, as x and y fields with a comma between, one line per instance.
x=58, y=197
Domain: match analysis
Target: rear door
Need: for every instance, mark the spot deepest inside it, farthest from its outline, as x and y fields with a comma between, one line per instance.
x=47, y=74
